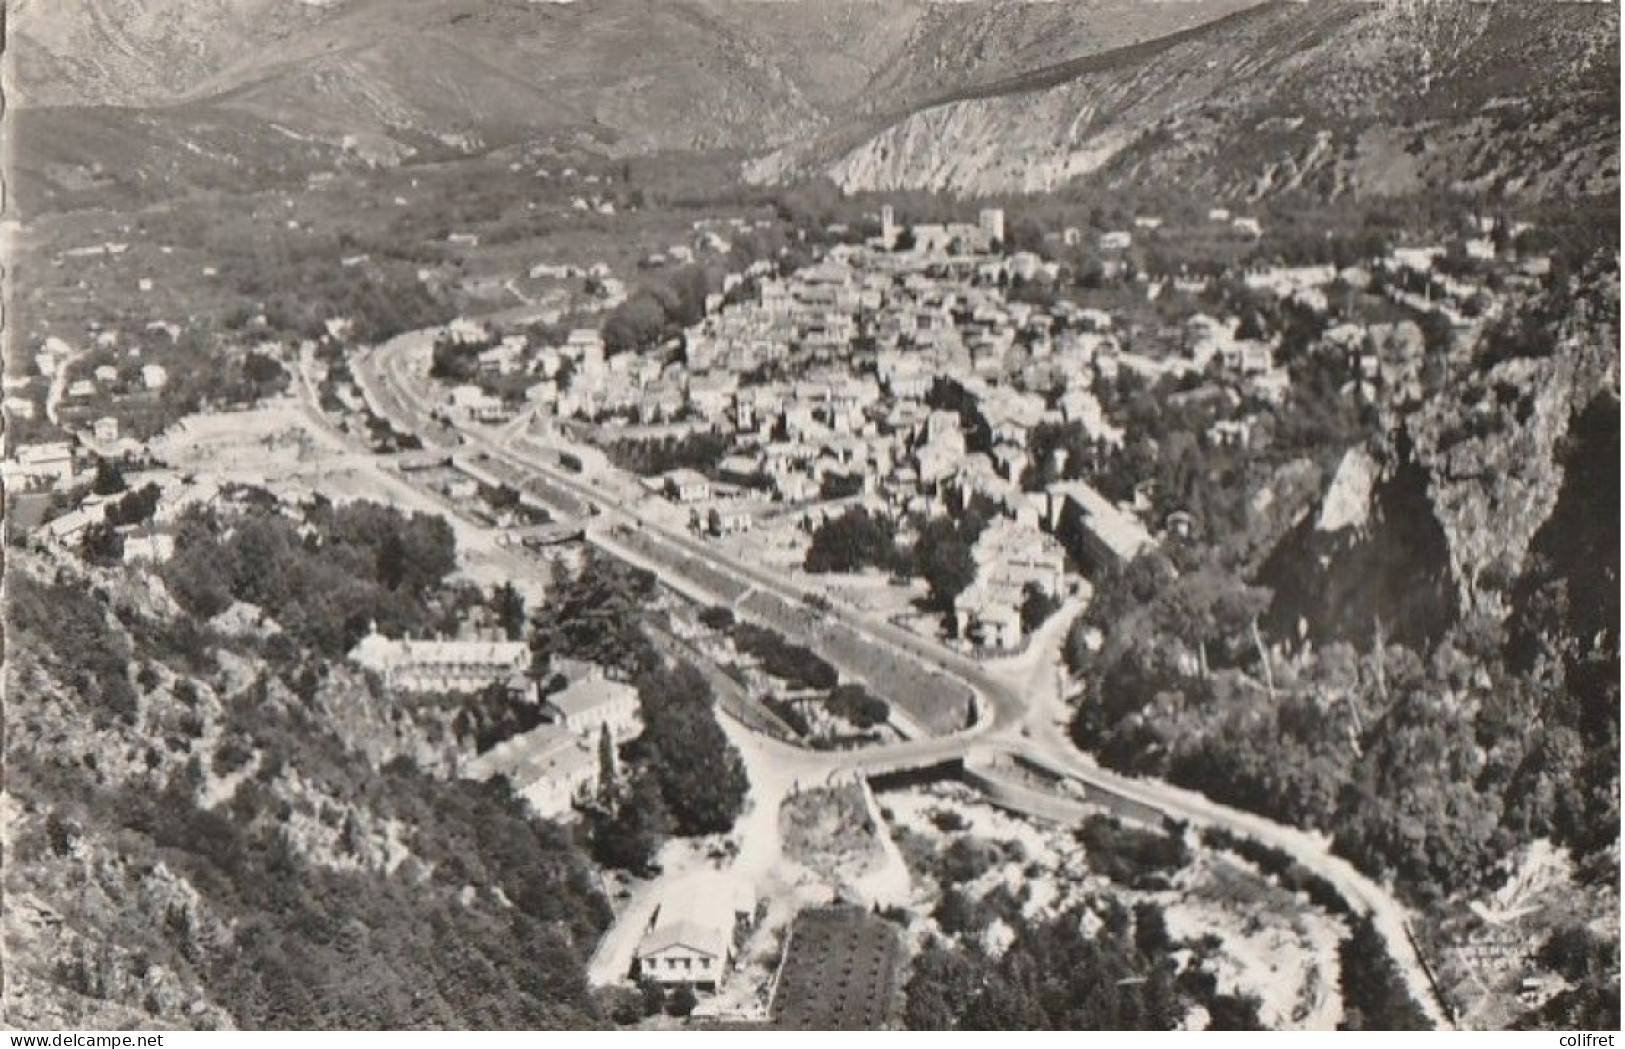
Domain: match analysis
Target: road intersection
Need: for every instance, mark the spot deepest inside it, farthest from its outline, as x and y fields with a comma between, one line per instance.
x=1018, y=719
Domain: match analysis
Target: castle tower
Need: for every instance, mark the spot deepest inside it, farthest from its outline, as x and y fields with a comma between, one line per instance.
x=888, y=225
x=992, y=223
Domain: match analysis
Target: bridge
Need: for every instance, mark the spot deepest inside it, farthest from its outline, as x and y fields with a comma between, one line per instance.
x=1020, y=763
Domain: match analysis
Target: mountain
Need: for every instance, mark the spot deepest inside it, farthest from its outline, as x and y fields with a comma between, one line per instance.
x=1230, y=98
x=633, y=75
x=1333, y=98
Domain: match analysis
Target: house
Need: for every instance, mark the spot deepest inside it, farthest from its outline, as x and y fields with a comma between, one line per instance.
x=1230, y=433
x=585, y=344
x=441, y=666
x=549, y=766
x=1116, y=240
x=690, y=938
x=156, y=548
x=687, y=486
x=70, y=526
x=729, y=519
x=710, y=396
x=989, y=617
x=31, y=463
x=592, y=702
x=465, y=332
x=154, y=376
x=1181, y=523
x=1095, y=531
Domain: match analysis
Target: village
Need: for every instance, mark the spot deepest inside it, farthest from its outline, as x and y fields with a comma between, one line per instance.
x=918, y=375
x=909, y=375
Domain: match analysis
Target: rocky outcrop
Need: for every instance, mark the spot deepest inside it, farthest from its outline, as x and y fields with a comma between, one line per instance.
x=1493, y=442
x=1382, y=571
x=1317, y=97
x=1436, y=519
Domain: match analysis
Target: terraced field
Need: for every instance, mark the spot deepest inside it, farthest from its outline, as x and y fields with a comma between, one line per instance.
x=840, y=973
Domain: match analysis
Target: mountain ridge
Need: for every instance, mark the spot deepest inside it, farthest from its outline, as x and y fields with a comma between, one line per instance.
x=674, y=74
x=1281, y=96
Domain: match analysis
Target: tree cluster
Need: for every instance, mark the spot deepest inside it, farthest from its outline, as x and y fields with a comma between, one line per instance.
x=852, y=542
x=662, y=308
x=795, y=665
x=325, y=583
x=700, y=450
x=857, y=705
x=684, y=752
x=1055, y=976
x=595, y=615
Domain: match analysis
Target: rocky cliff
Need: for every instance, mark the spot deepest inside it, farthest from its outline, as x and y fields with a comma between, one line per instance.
x=1332, y=98
x=1493, y=442
x=1437, y=518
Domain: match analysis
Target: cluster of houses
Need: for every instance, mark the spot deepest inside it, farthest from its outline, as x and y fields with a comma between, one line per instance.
x=553, y=766
x=830, y=384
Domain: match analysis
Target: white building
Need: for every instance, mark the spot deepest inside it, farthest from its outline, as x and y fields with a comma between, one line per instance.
x=690, y=939
x=441, y=666
x=592, y=702
x=549, y=766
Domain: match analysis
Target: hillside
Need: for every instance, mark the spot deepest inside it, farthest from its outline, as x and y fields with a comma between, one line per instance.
x=630, y=75
x=1333, y=98
x=211, y=823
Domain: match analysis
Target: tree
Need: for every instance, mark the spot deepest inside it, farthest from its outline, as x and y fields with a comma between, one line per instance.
x=654, y=996
x=135, y=507
x=101, y=544
x=635, y=324
x=1230, y=1012
x=681, y=1001
x=943, y=558
x=1037, y=605
x=452, y=361
x=109, y=479
x=718, y=617
x=510, y=610
x=700, y=774
x=630, y=837
x=608, y=775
